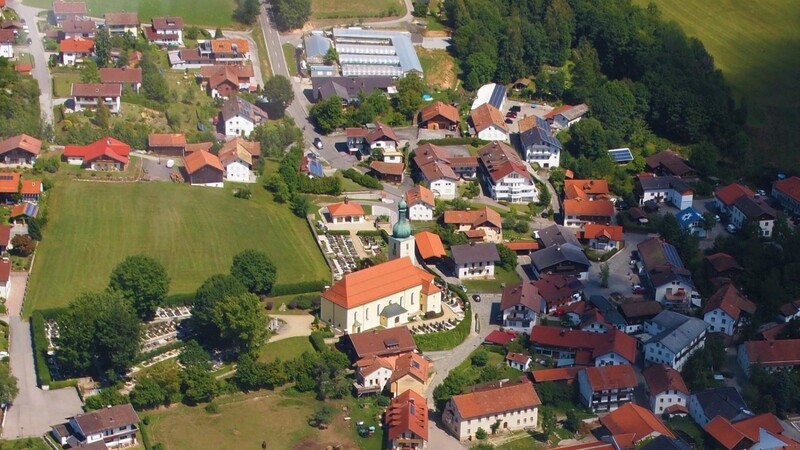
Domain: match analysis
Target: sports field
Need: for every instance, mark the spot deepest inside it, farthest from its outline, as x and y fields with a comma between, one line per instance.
x=757, y=46
x=193, y=231
x=194, y=12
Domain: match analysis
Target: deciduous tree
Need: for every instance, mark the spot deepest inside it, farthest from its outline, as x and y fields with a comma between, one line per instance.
x=328, y=114
x=143, y=281
x=255, y=271
x=213, y=290
x=508, y=259
x=279, y=93
x=290, y=14
x=22, y=245
x=242, y=321
x=8, y=385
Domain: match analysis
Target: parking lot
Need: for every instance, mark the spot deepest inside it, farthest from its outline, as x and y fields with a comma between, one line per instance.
x=525, y=109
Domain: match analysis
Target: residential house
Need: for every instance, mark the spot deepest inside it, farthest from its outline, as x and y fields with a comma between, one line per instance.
x=582, y=348
x=317, y=47
x=63, y=10
x=664, y=272
x=310, y=166
x=240, y=117
x=599, y=315
x=7, y=41
x=480, y=225
x=692, y=221
x=725, y=402
x=382, y=295
x=771, y=355
x=558, y=290
x=165, y=31
x=80, y=28
x=566, y=259
x=754, y=433
x=203, y=169
x=516, y=406
x=556, y=235
x=20, y=150
x=723, y=267
x=346, y=212
x=439, y=177
x=606, y=388
x=5, y=238
x=119, y=23
x=674, y=338
x=224, y=50
x=104, y=154
x=5, y=277
x=493, y=94
x=372, y=374
x=567, y=115
x=539, y=146
x=660, y=189
x=222, y=81
x=406, y=422
x=727, y=310
x=636, y=313
x=488, y=124
x=116, y=426
x=86, y=96
x=439, y=116
x=21, y=213
x=520, y=306
x=389, y=343
x=465, y=167
x=604, y=237
x=665, y=443
x=167, y=144
x=125, y=76
x=789, y=311
x=410, y=373
x=384, y=140
x=631, y=425
x=519, y=361
x=421, y=203
x=75, y=50
x=387, y=171
x=586, y=189
x=475, y=261
x=566, y=375
x=666, y=390
x=239, y=157
x=579, y=212
x=669, y=163
x=355, y=139
x=787, y=193
x=505, y=175
x=31, y=190
x=349, y=88
x=754, y=210
x=726, y=195
x=429, y=247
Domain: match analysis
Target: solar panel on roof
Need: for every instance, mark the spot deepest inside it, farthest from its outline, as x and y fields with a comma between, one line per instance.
x=671, y=253
x=498, y=94
x=315, y=168
x=620, y=155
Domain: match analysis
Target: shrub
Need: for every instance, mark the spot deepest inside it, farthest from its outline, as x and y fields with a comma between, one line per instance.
x=269, y=306
x=300, y=287
x=40, y=349
x=212, y=408
x=480, y=358
x=481, y=434
x=364, y=180
x=23, y=245
x=244, y=193
x=317, y=339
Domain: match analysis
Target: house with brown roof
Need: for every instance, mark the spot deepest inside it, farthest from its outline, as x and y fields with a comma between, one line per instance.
x=669, y=163
x=411, y=372
x=487, y=123
x=406, y=421
x=670, y=281
x=119, y=23
x=771, y=355
x=758, y=432
x=31, y=190
x=756, y=211
x=20, y=150
x=666, y=390
x=77, y=28
x=165, y=31
x=421, y=203
x=387, y=172
x=224, y=50
x=520, y=306
x=125, y=76
x=115, y=426
x=789, y=311
x=86, y=96
x=603, y=237
x=383, y=295
x=480, y=225
x=583, y=348
x=606, y=388
x=630, y=425
x=439, y=177
x=539, y=146
x=203, y=169
x=579, y=212
x=239, y=117
x=63, y=10
x=726, y=195
x=75, y=50
x=519, y=361
x=167, y=144
x=7, y=40
x=558, y=290
x=727, y=310
x=516, y=406
x=223, y=80
x=475, y=261
x=239, y=157
x=388, y=343
x=586, y=189
x=5, y=237
x=5, y=277
x=505, y=176
x=429, y=247
x=372, y=374
x=567, y=115
x=346, y=212
x=104, y=154
x=636, y=313
x=787, y=193
x=722, y=266
x=439, y=116
x=464, y=166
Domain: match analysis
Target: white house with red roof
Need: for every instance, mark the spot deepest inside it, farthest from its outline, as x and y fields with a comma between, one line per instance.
x=566, y=115
x=372, y=374
x=421, y=203
x=516, y=406
x=505, y=175
x=105, y=154
x=7, y=40
x=666, y=390
x=772, y=355
x=606, y=388
x=576, y=347
x=346, y=212
x=75, y=50
x=726, y=195
x=520, y=306
x=406, y=421
x=727, y=309
x=603, y=237
x=519, y=361
x=86, y=96
x=631, y=426
x=787, y=193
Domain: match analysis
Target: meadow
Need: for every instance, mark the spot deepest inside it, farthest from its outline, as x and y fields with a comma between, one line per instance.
x=193, y=231
x=757, y=46
x=339, y=9
x=194, y=12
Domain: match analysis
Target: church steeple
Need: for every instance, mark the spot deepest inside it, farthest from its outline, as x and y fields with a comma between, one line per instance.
x=402, y=229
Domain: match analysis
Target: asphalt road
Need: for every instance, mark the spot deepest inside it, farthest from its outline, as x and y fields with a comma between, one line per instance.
x=40, y=70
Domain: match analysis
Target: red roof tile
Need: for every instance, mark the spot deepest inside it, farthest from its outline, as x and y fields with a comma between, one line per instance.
x=723, y=262
x=438, y=108
x=730, y=300
x=519, y=358
x=774, y=353
x=30, y=187
x=559, y=374
x=581, y=207
x=60, y=7
x=500, y=160
x=498, y=337
x=346, y=208
x=633, y=419
x=407, y=412
x=429, y=245
x=728, y=194
x=790, y=187
x=386, y=168
x=392, y=341
x=661, y=377
x=166, y=140
x=96, y=90
x=9, y=182
x=77, y=45
x=412, y=364
x=5, y=234
x=485, y=116
x=496, y=401
x=585, y=188
x=522, y=245
x=420, y=194
x=595, y=344
x=23, y=142
x=107, y=146
x=199, y=159
x=5, y=270
x=474, y=218
x=594, y=231
x=522, y=293
x=124, y=75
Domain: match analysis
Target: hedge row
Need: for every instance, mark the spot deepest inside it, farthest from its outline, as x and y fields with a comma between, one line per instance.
x=364, y=180
x=374, y=233
x=71, y=382
x=455, y=141
x=40, y=349
x=446, y=340
x=339, y=232
x=317, y=339
x=178, y=300
x=300, y=287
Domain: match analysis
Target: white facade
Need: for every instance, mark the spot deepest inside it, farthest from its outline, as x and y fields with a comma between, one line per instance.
x=607, y=400
x=559, y=121
x=669, y=195
x=660, y=401
x=611, y=359
x=420, y=211
x=238, y=126
x=403, y=248
x=471, y=271
x=697, y=413
x=378, y=378
x=5, y=288
x=519, y=318
x=114, y=103
x=738, y=218
x=519, y=366
x=544, y=157
x=122, y=29
x=670, y=288
x=120, y=437
x=719, y=322
x=6, y=50
x=238, y=171
x=658, y=353
x=513, y=188
x=511, y=420
x=493, y=133
x=443, y=188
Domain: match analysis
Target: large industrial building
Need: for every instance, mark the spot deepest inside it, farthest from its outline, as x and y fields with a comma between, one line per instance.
x=375, y=53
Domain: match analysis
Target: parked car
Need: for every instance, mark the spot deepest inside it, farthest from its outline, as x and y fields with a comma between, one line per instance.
x=318, y=143
x=511, y=114
x=516, y=108
x=476, y=298
x=731, y=228
x=622, y=205
x=717, y=218
x=509, y=120
x=638, y=290
x=30, y=41
x=760, y=193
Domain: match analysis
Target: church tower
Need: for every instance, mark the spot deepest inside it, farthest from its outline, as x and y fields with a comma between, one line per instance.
x=401, y=242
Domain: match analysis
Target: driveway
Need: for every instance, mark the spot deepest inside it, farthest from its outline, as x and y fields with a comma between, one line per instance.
x=296, y=325
x=156, y=168
x=36, y=49
x=34, y=411
x=619, y=270
x=19, y=280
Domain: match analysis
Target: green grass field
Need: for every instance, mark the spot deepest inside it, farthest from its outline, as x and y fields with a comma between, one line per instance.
x=285, y=349
x=194, y=12
x=757, y=46
x=193, y=231
x=338, y=9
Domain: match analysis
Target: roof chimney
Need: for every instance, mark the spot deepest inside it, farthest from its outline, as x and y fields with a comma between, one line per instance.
x=346, y=200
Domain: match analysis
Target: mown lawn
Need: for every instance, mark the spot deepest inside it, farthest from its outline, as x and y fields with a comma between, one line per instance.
x=757, y=46
x=194, y=12
x=247, y=420
x=285, y=349
x=501, y=276
x=62, y=83
x=338, y=9
x=194, y=232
